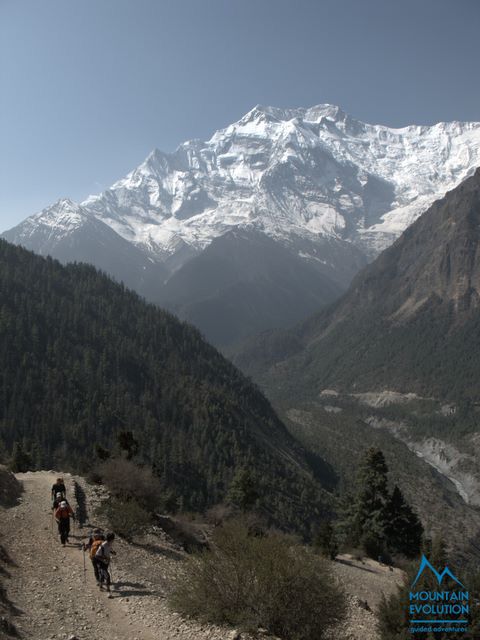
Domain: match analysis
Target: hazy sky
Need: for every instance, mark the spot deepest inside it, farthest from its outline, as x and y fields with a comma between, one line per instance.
x=89, y=87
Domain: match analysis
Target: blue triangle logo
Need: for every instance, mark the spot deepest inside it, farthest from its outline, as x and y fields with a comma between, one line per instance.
x=425, y=564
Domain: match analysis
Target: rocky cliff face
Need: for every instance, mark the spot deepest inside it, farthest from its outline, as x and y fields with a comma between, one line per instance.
x=437, y=257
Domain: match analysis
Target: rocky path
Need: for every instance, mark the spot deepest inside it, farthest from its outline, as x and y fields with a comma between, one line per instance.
x=56, y=599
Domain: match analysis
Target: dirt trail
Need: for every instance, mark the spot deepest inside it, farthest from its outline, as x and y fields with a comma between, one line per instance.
x=56, y=598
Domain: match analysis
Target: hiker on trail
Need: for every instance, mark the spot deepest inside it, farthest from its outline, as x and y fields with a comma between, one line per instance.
x=58, y=499
x=97, y=537
x=62, y=515
x=102, y=558
x=95, y=534
x=58, y=487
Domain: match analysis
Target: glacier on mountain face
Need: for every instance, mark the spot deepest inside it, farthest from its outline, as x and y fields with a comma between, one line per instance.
x=296, y=175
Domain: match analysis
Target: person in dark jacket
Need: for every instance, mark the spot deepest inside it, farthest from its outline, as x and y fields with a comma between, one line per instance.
x=58, y=499
x=58, y=487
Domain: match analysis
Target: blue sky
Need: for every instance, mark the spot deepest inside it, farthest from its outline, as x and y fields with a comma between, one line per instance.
x=89, y=87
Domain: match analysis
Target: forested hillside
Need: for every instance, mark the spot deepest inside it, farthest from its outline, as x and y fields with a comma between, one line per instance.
x=395, y=363
x=84, y=359
x=410, y=320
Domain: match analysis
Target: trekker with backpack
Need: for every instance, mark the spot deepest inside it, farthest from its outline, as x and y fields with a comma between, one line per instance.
x=58, y=499
x=96, y=538
x=62, y=515
x=59, y=487
x=102, y=558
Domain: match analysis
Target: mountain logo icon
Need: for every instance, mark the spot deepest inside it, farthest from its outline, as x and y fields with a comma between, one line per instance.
x=425, y=564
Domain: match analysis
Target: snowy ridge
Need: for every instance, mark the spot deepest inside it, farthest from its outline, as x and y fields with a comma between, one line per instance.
x=294, y=174
x=52, y=224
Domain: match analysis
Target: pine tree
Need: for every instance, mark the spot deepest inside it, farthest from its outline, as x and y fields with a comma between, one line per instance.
x=403, y=531
x=376, y=520
x=128, y=443
x=243, y=492
x=21, y=461
x=371, y=502
x=345, y=526
x=439, y=555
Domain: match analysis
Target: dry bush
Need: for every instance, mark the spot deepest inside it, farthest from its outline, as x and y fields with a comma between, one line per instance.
x=128, y=519
x=183, y=532
x=127, y=481
x=255, y=522
x=218, y=514
x=259, y=581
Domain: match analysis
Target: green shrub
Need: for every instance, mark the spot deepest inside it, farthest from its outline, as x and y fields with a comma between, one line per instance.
x=259, y=581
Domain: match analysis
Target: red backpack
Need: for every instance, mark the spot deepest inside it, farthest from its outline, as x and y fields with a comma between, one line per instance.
x=62, y=513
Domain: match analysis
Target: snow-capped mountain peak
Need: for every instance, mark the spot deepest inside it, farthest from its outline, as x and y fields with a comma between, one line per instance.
x=308, y=173
x=63, y=216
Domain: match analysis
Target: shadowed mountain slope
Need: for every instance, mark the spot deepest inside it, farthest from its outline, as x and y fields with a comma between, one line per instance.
x=83, y=358
x=410, y=321
x=245, y=282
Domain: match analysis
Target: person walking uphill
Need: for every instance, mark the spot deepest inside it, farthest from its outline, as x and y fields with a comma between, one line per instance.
x=58, y=487
x=58, y=499
x=102, y=558
x=96, y=539
x=62, y=515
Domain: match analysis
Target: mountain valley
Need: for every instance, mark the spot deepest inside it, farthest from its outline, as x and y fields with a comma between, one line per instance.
x=394, y=363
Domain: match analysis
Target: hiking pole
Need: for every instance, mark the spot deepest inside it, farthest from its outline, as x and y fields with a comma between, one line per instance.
x=111, y=572
x=84, y=567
